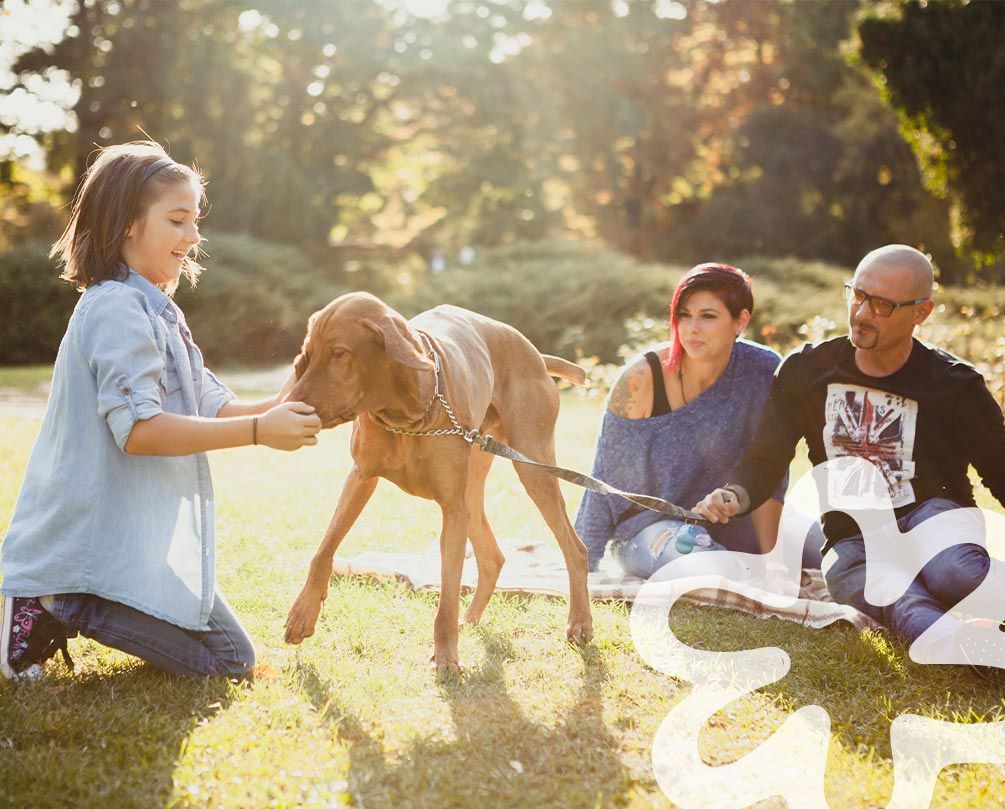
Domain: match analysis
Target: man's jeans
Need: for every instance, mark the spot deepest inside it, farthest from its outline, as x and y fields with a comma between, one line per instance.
x=948, y=578
x=224, y=650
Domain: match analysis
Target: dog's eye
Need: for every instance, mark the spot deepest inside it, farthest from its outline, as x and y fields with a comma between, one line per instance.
x=339, y=354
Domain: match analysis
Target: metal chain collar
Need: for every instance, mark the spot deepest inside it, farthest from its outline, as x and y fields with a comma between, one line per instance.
x=489, y=444
x=470, y=436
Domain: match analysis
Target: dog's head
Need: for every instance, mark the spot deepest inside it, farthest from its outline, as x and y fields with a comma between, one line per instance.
x=355, y=357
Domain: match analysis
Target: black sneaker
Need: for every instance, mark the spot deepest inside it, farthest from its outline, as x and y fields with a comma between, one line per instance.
x=29, y=636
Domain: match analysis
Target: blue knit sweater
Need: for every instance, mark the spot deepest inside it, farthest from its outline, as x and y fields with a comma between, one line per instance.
x=681, y=456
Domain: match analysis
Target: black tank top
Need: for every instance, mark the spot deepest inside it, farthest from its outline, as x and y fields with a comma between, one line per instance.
x=661, y=404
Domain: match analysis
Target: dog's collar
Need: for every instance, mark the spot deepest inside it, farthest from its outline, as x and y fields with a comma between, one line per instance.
x=435, y=357
x=470, y=436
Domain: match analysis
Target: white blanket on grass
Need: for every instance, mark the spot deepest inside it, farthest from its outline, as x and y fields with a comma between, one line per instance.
x=538, y=567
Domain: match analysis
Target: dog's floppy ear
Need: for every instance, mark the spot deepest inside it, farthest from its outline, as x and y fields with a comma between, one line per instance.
x=401, y=342
x=302, y=361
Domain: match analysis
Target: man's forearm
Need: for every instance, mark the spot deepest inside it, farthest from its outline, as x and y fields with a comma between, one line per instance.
x=766, y=519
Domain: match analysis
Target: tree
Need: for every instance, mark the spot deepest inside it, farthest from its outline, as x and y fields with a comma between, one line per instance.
x=941, y=65
x=671, y=130
x=819, y=169
x=277, y=100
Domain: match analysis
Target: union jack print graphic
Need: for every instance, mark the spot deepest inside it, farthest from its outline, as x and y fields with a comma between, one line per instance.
x=875, y=425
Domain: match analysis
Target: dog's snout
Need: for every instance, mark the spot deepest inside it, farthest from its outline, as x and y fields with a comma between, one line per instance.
x=302, y=393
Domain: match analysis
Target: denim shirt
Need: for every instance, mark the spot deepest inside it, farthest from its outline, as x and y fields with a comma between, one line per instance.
x=89, y=517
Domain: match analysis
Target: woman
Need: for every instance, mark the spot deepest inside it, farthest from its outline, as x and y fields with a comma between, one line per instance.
x=677, y=421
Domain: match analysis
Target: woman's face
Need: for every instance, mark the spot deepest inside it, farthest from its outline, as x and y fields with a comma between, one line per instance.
x=705, y=327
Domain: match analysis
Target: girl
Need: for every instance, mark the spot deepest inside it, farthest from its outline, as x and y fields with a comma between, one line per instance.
x=112, y=533
x=681, y=416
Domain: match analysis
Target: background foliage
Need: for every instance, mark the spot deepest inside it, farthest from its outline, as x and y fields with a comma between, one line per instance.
x=372, y=145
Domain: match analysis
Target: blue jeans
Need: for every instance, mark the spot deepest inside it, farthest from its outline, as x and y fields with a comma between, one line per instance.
x=949, y=577
x=224, y=650
x=645, y=553
x=650, y=549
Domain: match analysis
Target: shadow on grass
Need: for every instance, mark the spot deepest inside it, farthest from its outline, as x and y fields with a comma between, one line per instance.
x=864, y=680
x=498, y=756
x=368, y=768
x=100, y=739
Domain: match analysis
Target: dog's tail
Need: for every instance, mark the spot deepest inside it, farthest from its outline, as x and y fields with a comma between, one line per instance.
x=563, y=369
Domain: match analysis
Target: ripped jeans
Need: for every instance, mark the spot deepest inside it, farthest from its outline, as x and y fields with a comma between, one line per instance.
x=654, y=546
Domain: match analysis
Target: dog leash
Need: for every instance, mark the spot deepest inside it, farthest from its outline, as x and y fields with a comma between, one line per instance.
x=488, y=444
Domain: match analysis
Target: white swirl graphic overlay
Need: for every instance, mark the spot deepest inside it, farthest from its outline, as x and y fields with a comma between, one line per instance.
x=791, y=763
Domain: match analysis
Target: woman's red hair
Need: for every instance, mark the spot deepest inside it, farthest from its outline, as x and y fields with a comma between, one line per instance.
x=731, y=285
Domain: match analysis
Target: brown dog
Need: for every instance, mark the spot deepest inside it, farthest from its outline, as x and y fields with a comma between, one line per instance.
x=362, y=360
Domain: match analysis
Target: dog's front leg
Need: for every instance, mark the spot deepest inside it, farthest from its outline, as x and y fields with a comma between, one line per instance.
x=303, y=615
x=453, y=540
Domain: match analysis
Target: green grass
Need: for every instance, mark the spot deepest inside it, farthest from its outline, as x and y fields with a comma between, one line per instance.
x=356, y=716
x=25, y=379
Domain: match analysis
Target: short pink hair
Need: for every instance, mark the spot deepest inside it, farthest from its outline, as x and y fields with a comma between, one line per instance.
x=731, y=285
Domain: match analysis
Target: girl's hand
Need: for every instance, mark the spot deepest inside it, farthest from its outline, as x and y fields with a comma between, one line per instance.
x=289, y=426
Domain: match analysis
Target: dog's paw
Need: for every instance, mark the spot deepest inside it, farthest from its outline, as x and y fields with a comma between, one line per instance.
x=446, y=664
x=579, y=632
x=449, y=671
x=295, y=636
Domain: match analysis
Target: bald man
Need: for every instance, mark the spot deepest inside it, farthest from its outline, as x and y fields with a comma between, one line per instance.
x=921, y=415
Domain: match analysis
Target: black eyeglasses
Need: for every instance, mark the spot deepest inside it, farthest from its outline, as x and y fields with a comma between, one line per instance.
x=881, y=307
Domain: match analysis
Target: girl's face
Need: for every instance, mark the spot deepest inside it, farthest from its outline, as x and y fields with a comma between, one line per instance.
x=705, y=327
x=156, y=244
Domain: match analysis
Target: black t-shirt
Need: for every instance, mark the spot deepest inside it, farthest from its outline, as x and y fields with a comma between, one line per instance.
x=922, y=425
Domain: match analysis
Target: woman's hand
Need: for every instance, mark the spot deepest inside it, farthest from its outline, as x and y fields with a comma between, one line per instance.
x=289, y=426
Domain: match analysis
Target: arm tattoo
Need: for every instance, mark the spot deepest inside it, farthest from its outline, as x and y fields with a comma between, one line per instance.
x=622, y=401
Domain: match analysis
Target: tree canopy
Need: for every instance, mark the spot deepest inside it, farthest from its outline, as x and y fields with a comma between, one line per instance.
x=942, y=66
x=672, y=131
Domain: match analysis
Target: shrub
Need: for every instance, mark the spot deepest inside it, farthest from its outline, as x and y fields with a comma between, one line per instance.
x=35, y=305
x=795, y=300
x=581, y=300
x=252, y=303
x=568, y=298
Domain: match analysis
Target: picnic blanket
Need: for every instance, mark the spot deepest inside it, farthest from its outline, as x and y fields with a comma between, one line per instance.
x=537, y=567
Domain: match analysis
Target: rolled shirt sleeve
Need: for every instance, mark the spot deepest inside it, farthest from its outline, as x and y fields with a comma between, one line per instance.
x=118, y=342
x=214, y=395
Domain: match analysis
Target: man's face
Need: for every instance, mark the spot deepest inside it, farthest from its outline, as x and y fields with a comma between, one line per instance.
x=871, y=332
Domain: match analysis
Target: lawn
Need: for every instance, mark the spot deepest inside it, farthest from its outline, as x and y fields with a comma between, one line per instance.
x=355, y=716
